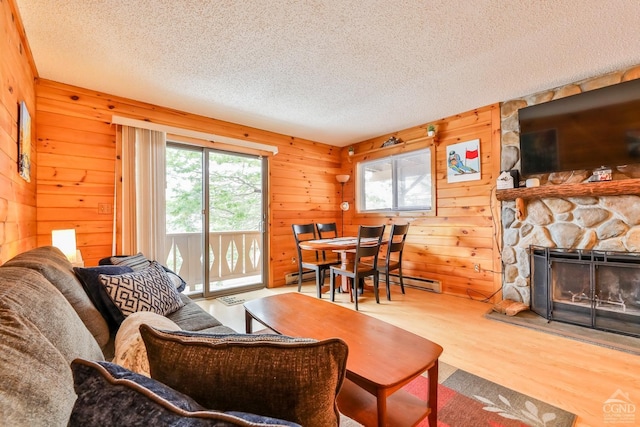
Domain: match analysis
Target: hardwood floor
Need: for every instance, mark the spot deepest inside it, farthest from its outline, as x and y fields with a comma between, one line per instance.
x=572, y=375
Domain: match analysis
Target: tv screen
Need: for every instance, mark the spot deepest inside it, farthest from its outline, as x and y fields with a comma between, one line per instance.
x=585, y=131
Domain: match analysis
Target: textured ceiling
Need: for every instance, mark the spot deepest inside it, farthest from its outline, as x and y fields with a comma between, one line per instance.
x=335, y=71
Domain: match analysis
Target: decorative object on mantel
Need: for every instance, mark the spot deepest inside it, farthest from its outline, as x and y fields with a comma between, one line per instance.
x=351, y=150
x=515, y=174
x=24, y=142
x=532, y=183
x=431, y=130
x=463, y=162
x=603, y=173
x=391, y=141
x=504, y=181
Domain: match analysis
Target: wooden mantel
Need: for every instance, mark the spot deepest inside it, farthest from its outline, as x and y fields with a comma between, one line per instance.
x=606, y=188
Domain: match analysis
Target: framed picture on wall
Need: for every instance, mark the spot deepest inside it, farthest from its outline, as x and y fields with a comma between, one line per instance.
x=463, y=161
x=24, y=142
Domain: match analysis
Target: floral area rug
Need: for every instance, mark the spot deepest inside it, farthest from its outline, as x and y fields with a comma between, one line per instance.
x=465, y=400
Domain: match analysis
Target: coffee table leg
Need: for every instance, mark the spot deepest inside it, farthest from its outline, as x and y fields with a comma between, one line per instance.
x=432, y=400
x=248, y=322
x=382, y=408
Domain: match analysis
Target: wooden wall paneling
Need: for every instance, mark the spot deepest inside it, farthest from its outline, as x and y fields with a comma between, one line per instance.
x=105, y=105
x=17, y=197
x=302, y=185
x=76, y=130
x=55, y=173
x=446, y=247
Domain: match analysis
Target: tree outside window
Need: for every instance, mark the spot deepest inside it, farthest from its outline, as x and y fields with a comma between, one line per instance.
x=396, y=183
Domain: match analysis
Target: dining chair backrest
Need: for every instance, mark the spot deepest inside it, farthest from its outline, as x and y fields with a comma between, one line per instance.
x=367, y=248
x=397, y=237
x=302, y=233
x=327, y=231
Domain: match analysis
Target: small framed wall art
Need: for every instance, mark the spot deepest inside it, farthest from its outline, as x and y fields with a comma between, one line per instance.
x=24, y=142
x=463, y=161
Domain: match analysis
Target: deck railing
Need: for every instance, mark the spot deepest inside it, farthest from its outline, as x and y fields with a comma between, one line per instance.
x=232, y=254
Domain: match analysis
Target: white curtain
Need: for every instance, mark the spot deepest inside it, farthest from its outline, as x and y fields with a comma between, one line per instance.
x=142, y=219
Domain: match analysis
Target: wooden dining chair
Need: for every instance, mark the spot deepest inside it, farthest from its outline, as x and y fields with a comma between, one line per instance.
x=311, y=260
x=327, y=230
x=366, y=250
x=393, y=258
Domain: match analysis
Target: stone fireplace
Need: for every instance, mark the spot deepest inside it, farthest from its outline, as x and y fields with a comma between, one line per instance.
x=591, y=221
x=599, y=290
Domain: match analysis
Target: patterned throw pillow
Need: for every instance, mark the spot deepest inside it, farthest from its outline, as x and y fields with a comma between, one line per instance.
x=138, y=262
x=149, y=289
x=110, y=395
x=289, y=378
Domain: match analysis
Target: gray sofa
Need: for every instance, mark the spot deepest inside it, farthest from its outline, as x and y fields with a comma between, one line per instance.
x=57, y=347
x=46, y=321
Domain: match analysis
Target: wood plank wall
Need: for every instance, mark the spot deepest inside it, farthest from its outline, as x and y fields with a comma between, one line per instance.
x=76, y=145
x=17, y=197
x=446, y=247
x=75, y=170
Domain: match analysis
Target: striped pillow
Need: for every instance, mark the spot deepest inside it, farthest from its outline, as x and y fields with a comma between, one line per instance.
x=135, y=262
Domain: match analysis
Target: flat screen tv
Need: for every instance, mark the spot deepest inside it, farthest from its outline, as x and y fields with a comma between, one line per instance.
x=597, y=128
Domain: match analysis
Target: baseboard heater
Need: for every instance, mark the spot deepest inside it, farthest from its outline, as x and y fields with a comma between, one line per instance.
x=291, y=278
x=410, y=282
x=416, y=283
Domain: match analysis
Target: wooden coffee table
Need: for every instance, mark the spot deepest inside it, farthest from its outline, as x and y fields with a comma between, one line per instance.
x=382, y=358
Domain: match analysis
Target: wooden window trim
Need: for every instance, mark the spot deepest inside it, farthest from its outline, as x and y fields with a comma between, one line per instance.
x=402, y=148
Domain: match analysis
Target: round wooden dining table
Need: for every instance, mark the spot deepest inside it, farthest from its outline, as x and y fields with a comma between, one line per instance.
x=345, y=246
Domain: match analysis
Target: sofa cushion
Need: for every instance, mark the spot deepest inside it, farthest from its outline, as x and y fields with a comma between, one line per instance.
x=36, y=386
x=109, y=394
x=288, y=378
x=90, y=279
x=52, y=264
x=40, y=334
x=192, y=317
x=145, y=290
x=139, y=262
x=31, y=296
x=130, y=350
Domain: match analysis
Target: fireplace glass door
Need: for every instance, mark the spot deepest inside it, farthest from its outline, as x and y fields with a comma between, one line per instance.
x=599, y=290
x=617, y=297
x=571, y=292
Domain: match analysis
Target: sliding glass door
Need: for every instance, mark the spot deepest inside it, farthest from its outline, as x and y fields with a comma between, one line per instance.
x=216, y=219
